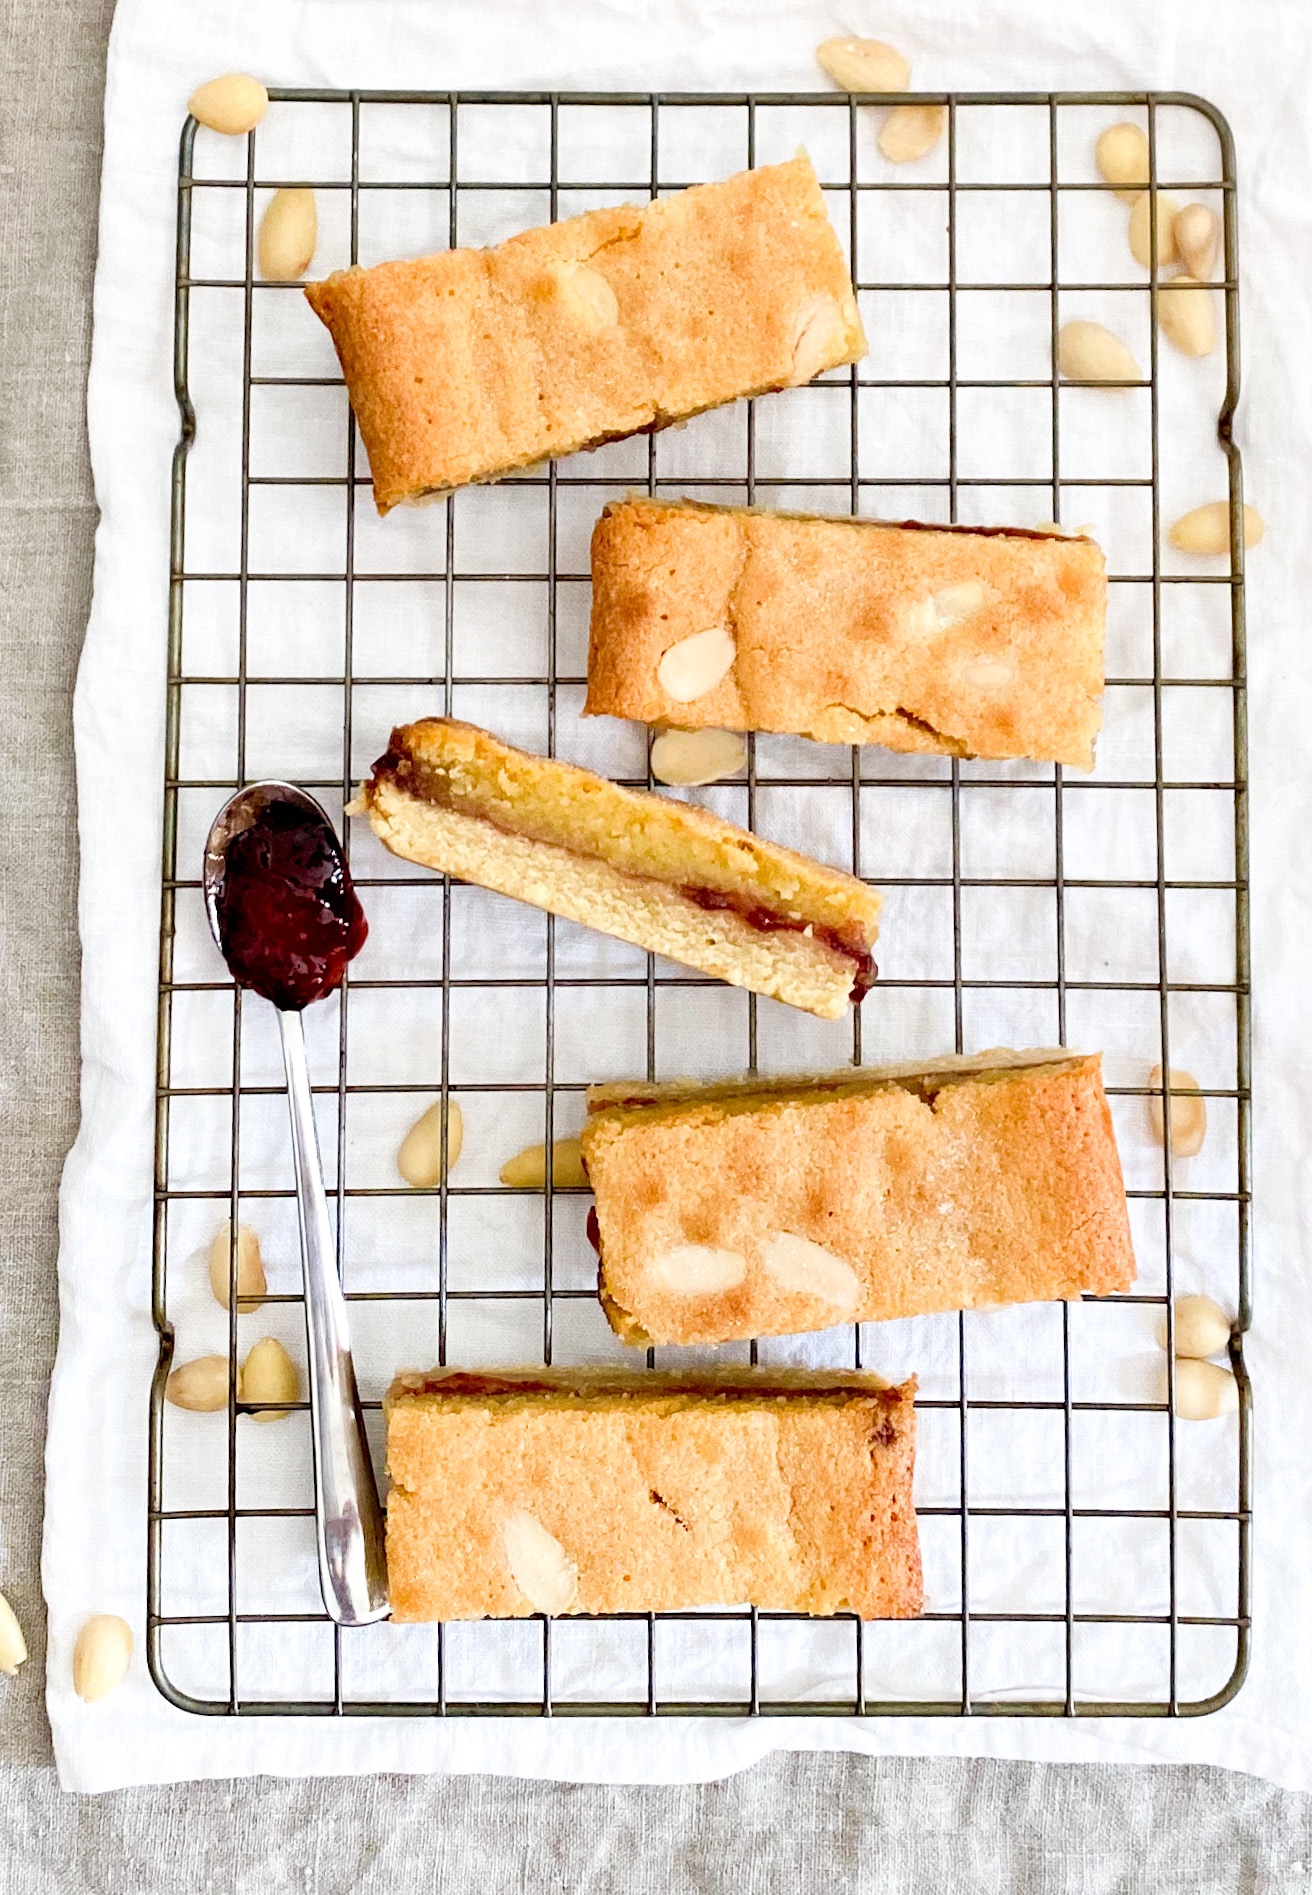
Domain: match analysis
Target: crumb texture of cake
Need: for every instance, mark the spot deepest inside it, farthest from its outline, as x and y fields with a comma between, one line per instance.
x=770, y=1207
x=555, y=1491
x=467, y=364
x=665, y=875
x=966, y=643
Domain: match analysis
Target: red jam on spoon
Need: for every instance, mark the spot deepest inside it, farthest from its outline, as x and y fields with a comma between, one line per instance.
x=289, y=918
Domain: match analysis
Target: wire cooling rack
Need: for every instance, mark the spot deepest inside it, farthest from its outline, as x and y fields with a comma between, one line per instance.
x=1011, y=180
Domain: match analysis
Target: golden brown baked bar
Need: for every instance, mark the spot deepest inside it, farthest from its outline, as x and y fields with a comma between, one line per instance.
x=769, y=1206
x=971, y=643
x=667, y=876
x=464, y=365
x=544, y=1490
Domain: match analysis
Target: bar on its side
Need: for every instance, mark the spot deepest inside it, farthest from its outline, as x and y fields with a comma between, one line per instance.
x=968, y=642
x=773, y=1206
x=546, y=1490
x=466, y=364
x=667, y=876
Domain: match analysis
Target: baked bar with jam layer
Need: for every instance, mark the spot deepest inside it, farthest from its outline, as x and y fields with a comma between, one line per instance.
x=465, y=365
x=964, y=641
x=667, y=876
x=770, y=1206
x=556, y=1490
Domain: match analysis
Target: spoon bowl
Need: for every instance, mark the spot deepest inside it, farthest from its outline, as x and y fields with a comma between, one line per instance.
x=238, y=813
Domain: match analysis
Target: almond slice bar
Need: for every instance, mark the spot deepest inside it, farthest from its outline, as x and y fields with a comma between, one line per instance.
x=464, y=365
x=668, y=876
x=760, y=1208
x=544, y=1490
x=968, y=642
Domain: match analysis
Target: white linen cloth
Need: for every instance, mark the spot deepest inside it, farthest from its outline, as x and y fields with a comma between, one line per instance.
x=94, y=1556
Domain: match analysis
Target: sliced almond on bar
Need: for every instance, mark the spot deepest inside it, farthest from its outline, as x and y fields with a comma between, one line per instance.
x=796, y=1263
x=697, y=1270
x=819, y=334
x=539, y=1564
x=988, y=674
x=697, y=664
x=588, y=296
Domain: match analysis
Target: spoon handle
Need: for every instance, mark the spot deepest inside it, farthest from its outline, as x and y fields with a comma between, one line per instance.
x=348, y=1519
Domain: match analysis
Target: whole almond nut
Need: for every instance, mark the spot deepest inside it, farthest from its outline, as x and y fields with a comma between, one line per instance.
x=13, y=1646
x=1086, y=352
x=1197, y=239
x=1188, y=1114
x=101, y=1656
x=819, y=338
x=589, y=297
x=1207, y=529
x=251, y=1281
x=269, y=1375
x=1122, y=158
x=289, y=231
x=911, y=131
x=797, y=1264
x=1186, y=315
x=1202, y=1327
x=1204, y=1391
x=688, y=757
x=233, y=104
x=201, y=1385
x=698, y=1270
x=527, y=1170
x=1141, y=230
x=864, y=65
x=697, y=664
x=419, y=1160
x=539, y=1564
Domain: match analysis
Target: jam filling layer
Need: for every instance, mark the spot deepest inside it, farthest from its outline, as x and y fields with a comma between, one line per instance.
x=431, y=785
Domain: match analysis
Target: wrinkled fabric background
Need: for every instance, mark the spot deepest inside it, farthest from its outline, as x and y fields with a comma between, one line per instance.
x=855, y=1823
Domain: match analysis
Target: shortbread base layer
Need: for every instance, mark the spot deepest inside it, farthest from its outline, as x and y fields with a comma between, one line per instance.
x=554, y=1491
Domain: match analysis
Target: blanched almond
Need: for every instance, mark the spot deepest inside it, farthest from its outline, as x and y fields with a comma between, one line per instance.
x=697, y=664
x=798, y=1264
x=419, y=1160
x=1204, y=1391
x=589, y=297
x=1197, y=239
x=953, y=603
x=910, y=131
x=251, y=1280
x=1188, y=1115
x=689, y=757
x=698, y=1270
x=1086, y=352
x=527, y=1170
x=289, y=231
x=13, y=1646
x=1186, y=315
x=987, y=673
x=269, y=1375
x=101, y=1656
x=1142, y=218
x=1122, y=158
x=539, y=1564
x=232, y=104
x=864, y=65
x=819, y=337
x=1202, y=1327
x=201, y=1385
x=1207, y=529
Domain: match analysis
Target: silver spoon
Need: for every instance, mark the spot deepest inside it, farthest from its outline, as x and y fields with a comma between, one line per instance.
x=348, y=1518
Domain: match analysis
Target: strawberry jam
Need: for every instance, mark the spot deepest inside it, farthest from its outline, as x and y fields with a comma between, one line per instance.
x=289, y=917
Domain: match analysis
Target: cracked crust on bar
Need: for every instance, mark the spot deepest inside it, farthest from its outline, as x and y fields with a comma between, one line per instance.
x=667, y=876
x=854, y=1196
x=950, y=640
x=790, y=1491
x=465, y=365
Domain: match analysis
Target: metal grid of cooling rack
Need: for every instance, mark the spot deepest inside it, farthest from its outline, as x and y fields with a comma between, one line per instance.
x=242, y=1691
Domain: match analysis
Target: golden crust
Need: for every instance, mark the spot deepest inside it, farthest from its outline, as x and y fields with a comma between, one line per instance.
x=790, y=1492
x=986, y=644
x=464, y=365
x=863, y=1196
x=457, y=799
